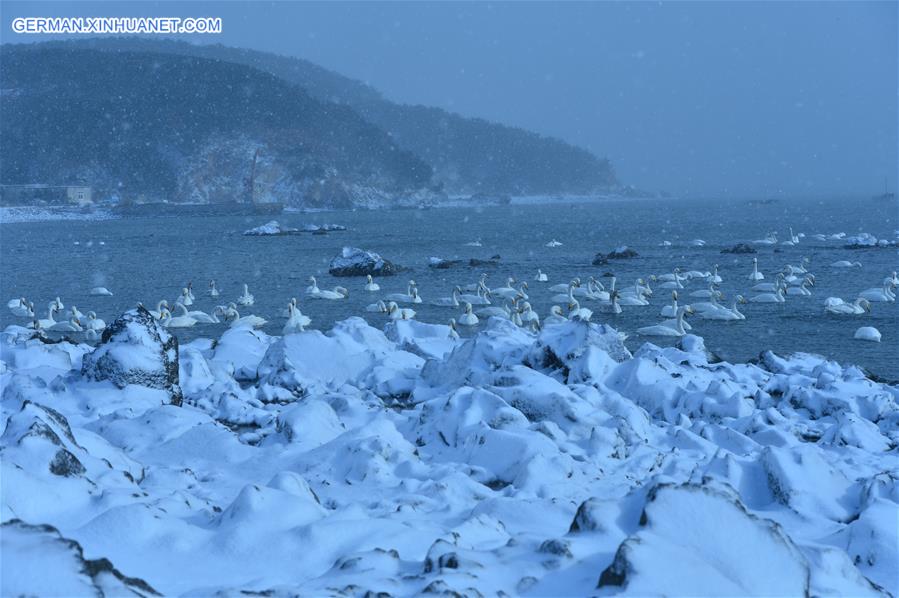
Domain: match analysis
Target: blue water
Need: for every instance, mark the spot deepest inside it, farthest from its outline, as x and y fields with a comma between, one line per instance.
x=147, y=259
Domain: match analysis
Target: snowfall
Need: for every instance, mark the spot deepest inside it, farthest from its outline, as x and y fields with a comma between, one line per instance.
x=403, y=461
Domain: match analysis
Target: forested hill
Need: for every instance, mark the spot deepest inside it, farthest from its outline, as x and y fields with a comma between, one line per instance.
x=467, y=155
x=164, y=126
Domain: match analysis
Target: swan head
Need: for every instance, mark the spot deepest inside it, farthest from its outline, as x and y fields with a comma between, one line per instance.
x=392, y=307
x=212, y=284
x=674, y=295
x=740, y=299
x=452, y=323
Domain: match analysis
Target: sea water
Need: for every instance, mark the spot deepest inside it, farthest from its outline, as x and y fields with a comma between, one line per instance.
x=151, y=258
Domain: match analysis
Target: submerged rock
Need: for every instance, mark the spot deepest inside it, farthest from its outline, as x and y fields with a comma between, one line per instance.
x=619, y=253
x=353, y=261
x=135, y=349
x=439, y=263
x=740, y=248
x=493, y=260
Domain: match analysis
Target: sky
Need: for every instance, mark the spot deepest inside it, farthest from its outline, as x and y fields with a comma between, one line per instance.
x=693, y=98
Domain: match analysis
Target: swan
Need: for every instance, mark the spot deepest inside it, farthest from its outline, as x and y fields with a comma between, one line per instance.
x=635, y=296
x=74, y=312
x=794, y=238
x=213, y=290
x=801, y=290
x=296, y=321
x=670, y=311
x=184, y=298
x=711, y=304
x=556, y=316
x=672, y=281
x=715, y=277
x=72, y=325
x=576, y=312
x=410, y=296
x=892, y=279
x=453, y=333
x=665, y=244
x=563, y=288
x=835, y=305
x=554, y=243
x=846, y=264
x=495, y=311
x=101, y=292
x=160, y=308
x=705, y=293
x=697, y=243
x=508, y=291
x=451, y=301
x=371, y=285
x=474, y=243
x=47, y=322
x=182, y=320
x=190, y=292
x=395, y=312
x=246, y=299
x=771, y=239
x=230, y=314
x=515, y=316
x=881, y=295
x=202, y=317
x=612, y=306
x=541, y=277
x=769, y=287
x=528, y=315
x=480, y=285
x=478, y=298
x=724, y=313
x=468, y=318
x=756, y=275
x=379, y=307
x=58, y=304
x=775, y=297
x=596, y=290
x=665, y=330
x=21, y=308
x=568, y=295
x=316, y=293
x=867, y=333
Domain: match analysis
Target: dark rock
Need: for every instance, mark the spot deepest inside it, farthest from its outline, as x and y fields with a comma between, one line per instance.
x=740, y=248
x=557, y=547
x=491, y=261
x=584, y=519
x=135, y=349
x=442, y=264
x=353, y=261
x=66, y=464
x=619, y=253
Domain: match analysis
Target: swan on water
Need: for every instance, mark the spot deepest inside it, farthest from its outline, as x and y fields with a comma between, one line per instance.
x=509, y=292
x=482, y=297
x=480, y=285
x=879, y=295
x=202, y=317
x=563, y=288
x=296, y=321
x=672, y=281
x=769, y=287
x=568, y=294
x=705, y=293
x=395, y=312
x=370, y=285
x=453, y=333
x=576, y=312
x=724, y=313
x=213, y=290
x=846, y=264
x=756, y=275
x=21, y=308
x=230, y=314
x=835, y=305
x=697, y=243
x=541, y=277
x=474, y=243
x=468, y=318
x=160, y=308
x=665, y=244
x=316, y=293
x=74, y=312
x=635, y=296
x=775, y=297
x=451, y=301
x=771, y=239
x=867, y=333
x=181, y=320
x=611, y=306
x=379, y=307
x=93, y=322
x=554, y=243
x=528, y=314
x=73, y=324
x=496, y=311
x=715, y=277
x=49, y=321
x=665, y=330
x=670, y=311
x=711, y=304
x=184, y=298
x=101, y=292
x=556, y=316
x=410, y=296
x=801, y=290
x=246, y=299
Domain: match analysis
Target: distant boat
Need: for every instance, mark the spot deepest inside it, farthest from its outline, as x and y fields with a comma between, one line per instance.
x=887, y=194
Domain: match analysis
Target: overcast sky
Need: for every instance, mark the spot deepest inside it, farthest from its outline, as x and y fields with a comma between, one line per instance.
x=704, y=98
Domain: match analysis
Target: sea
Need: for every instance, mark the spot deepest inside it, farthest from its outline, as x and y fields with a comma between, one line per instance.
x=153, y=256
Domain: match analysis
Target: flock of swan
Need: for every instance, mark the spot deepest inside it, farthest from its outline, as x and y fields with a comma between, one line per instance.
x=577, y=299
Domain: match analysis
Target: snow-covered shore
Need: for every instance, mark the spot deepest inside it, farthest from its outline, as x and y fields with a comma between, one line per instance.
x=404, y=461
x=12, y=215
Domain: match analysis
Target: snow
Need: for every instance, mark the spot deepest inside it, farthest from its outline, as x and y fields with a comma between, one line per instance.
x=11, y=215
x=405, y=461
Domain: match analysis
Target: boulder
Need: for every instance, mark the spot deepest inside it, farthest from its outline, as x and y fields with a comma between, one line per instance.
x=438, y=263
x=740, y=248
x=619, y=253
x=272, y=228
x=135, y=349
x=493, y=260
x=353, y=261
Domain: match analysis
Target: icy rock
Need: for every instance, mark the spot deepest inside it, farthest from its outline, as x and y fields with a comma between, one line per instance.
x=271, y=228
x=38, y=561
x=135, y=349
x=353, y=261
x=584, y=351
x=695, y=540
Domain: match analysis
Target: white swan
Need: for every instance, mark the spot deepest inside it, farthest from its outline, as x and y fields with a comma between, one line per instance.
x=72, y=325
x=670, y=311
x=775, y=297
x=468, y=318
x=508, y=291
x=556, y=316
x=769, y=287
x=93, y=323
x=554, y=243
x=541, y=277
x=371, y=285
x=801, y=290
x=635, y=296
x=101, y=292
x=672, y=281
x=711, y=304
x=480, y=285
x=395, y=312
x=666, y=330
x=213, y=290
x=296, y=321
x=247, y=298
x=771, y=239
x=380, y=307
x=528, y=314
x=568, y=295
x=756, y=275
x=161, y=307
x=49, y=321
x=697, y=243
x=835, y=305
x=867, y=333
x=74, y=312
x=182, y=320
x=705, y=293
x=495, y=311
x=21, y=308
x=474, y=243
x=481, y=297
x=202, y=317
x=184, y=298
x=410, y=296
x=316, y=293
x=881, y=295
x=611, y=306
x=715, y=276
x=453, y=333
x=724, y=313
x=563, y=288
x=846, y=264
x=230, y=314
x=576, y=312
x=451, y=301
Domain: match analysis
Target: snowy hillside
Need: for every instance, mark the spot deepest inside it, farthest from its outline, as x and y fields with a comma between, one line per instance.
x=406, y=462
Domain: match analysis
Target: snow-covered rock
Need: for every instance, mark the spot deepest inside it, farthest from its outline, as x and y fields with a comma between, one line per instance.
x=353, y=261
